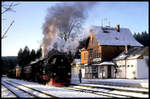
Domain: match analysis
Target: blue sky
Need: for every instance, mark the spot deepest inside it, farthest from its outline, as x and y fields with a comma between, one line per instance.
x=30, y=16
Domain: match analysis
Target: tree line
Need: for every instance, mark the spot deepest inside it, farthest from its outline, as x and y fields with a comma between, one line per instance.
x=142, y=37
x=26, y=56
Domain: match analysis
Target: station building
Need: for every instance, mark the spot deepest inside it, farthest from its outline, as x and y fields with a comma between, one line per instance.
x=105, y=43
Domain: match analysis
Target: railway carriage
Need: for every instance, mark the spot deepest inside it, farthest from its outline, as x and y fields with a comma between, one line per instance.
x=18, y=72
x=27, y=72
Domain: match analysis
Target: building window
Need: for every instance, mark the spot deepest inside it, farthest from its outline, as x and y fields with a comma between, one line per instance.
x=97, y=54
x=131, y=65
x=90, y=69
x=85, y=56
x=92, y=40
x=90, y=53
x=94, y=70
x=86, y=69
x=128, y=65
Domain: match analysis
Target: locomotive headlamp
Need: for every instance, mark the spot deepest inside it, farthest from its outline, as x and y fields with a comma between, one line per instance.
x=54, y=74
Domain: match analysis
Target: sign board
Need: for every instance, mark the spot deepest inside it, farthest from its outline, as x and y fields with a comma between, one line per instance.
x=119, y=70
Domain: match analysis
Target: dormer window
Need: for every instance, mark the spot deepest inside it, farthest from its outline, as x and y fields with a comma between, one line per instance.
x=116, y=38
x=105, y=30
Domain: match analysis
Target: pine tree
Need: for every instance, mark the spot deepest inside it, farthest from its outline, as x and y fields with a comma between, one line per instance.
x=39, y=53
x=142, y=38
x=32, y=55
x=20, y=58
x=26, y=56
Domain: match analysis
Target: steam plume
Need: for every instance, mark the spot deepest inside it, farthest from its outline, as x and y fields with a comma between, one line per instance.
x=63, y=23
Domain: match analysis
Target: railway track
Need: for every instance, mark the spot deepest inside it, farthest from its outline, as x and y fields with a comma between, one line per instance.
x=127, y=89
x=19, y=93
x=7, y=93
x=101, y=91
x=31, y=92
x=110, y=92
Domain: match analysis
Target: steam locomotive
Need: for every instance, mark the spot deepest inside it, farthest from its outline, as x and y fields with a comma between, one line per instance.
x=54, y=69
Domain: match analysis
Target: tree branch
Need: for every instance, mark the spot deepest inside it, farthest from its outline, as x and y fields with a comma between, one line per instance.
x=8, y=7
x=4, y=35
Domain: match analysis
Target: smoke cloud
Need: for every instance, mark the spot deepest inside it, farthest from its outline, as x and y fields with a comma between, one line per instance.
x=63, y=23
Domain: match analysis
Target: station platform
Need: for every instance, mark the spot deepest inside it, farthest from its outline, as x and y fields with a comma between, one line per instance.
x=139, y=83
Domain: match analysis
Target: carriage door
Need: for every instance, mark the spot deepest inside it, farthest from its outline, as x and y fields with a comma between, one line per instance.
x=109, y=71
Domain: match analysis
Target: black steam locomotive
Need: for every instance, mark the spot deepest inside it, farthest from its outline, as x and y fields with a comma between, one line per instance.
x=54, y=69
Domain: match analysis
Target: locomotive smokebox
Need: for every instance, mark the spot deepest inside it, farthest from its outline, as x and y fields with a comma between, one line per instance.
x=58, y=68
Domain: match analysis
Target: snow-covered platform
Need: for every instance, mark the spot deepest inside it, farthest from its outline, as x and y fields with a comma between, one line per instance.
x=141, y=83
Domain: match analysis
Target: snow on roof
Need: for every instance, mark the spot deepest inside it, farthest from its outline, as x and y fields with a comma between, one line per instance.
x=105, y=63
x=77, y=61
x=133, y=53
x=110, y=36
x=39, y=59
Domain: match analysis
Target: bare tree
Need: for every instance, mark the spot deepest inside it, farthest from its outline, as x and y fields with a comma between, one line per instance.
x=6, y=7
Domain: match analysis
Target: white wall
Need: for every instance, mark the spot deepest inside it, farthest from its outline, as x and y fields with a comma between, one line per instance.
x=143, y=69
x=112, y=72
x=120, y=74
x=139, y=66
x=129, y=70
x=100, y=69
x=83, y=73
x=132, y=68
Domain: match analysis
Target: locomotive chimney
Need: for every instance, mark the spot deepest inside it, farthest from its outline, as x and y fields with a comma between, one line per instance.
x=42, y=51
x=118, y=28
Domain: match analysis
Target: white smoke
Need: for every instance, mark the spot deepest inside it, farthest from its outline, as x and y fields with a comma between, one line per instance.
x=62, y=19
x=64, y=46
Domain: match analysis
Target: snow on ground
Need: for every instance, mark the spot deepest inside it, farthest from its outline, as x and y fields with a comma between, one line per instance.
x=56, y=91
x=6, y=93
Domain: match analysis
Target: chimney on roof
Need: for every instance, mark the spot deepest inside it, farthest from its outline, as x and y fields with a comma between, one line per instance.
x=117, y=28
x=126, y=49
